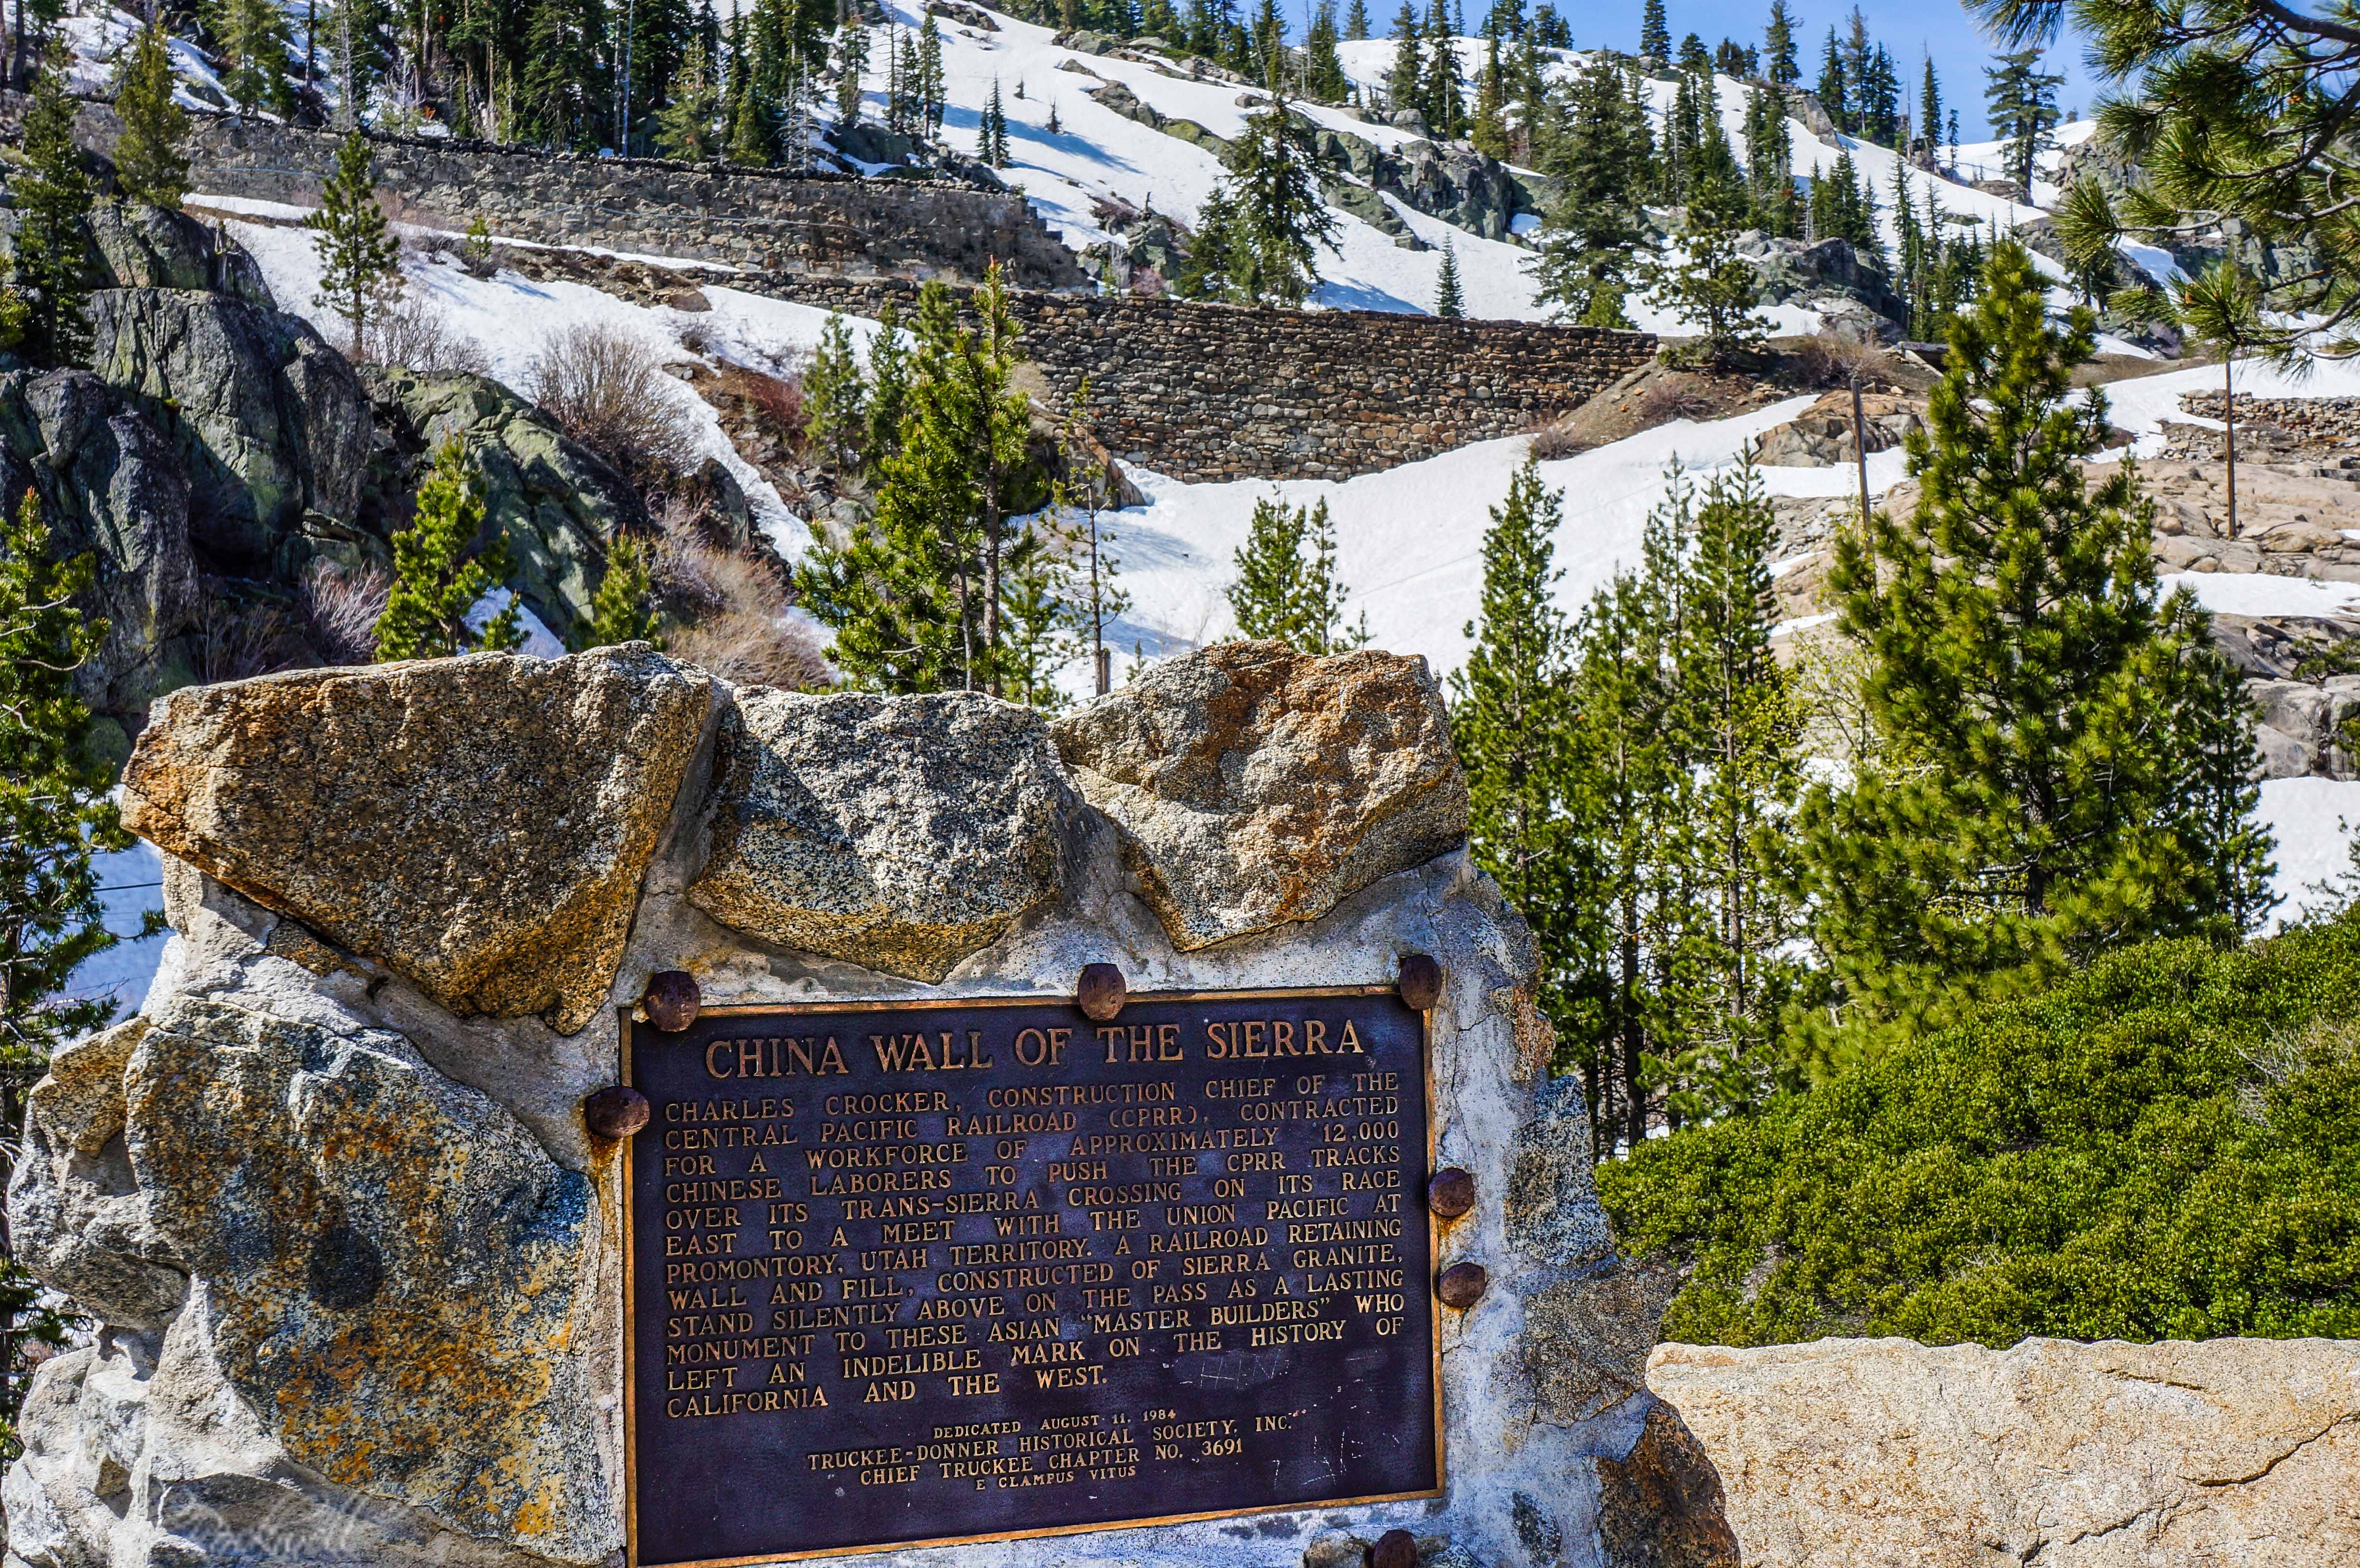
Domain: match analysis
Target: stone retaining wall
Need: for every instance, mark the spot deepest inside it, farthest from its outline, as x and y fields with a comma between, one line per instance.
x=1216, y=392
x=751, y=217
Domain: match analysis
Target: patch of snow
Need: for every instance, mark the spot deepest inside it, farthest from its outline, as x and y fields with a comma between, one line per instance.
x=539, y=640
x=130, y=884
x=2313, y=822
x=2259, y=594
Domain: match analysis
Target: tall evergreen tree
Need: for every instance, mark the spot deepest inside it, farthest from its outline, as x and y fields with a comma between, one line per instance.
x=151, y=159
x=1512, y=724
x=2039, y=797
x=1655, y=32
x=360, y=261
x=851, y=60
x=1930, y=107
x=1738, y=722
x=1770, y=163
x=49, y=269
x=2222, y=309
x=1323, y=68
x=254, y=39
x=993, y=131
x=2021, y=101
x=1708, y=284
x=836, y=399
x=1285, y=586
x=1600, y=159
x=1843, y=208
x=54, y=816
x=1450, y=303
x=1440, y=97
x=1280, y=218
x=688, y=127
x=1356, y=21
x=1405, y=82
x=438, y=574
x=1833, y=92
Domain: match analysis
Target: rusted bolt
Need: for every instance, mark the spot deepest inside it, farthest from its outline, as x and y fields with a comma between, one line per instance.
x=1101, y=993
x=617, y=1112
x=1462, y=1285
x=1394, y=1549
x=1420, y=981
x=1451, y=1194
x=672, y=1000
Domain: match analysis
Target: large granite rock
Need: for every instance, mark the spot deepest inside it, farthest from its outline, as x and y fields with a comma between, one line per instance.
x=271, y=424
x=1662, y=1505
x=899, y=834
x=1860, y=1454
x=477, y=824
x=394, y=1268
x=1255, y=785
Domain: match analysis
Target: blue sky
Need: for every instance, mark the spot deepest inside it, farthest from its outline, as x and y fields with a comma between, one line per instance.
x=1941, y=28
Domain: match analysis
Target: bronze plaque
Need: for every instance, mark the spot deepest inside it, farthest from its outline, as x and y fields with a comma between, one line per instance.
x=912, y=1272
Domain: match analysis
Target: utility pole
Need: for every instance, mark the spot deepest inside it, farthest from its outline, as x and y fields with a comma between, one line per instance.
x=1860, y=446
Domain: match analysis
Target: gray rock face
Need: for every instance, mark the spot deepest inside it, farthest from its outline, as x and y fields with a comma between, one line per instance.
x=78, y=1217
x=901, y=834
x=1254, y=785
x=478, y=824
x=270, y=422
x=394, y=1268
x=110, y=483
x=141, y=245
x=1829, y=271
x=558, y=503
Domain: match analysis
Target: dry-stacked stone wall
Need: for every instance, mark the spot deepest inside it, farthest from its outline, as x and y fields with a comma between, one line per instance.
x=1215, y=392
x=762, y=218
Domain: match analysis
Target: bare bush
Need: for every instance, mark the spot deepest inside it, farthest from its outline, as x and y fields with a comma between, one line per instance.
x=778, y=400
x=607, y=390
x=410, y=333
x=1671, y=399
x=1826, y=360
x=340, y=611
x=1551, y=442
x=238, y=637
x=729, y=609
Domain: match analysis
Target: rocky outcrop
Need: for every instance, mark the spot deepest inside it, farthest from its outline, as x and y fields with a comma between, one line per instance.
x=111, y=485
x=340, y=1198
x=1829, y=277
x=1821, y=435
x=404, y=810
x=270, y=423
x=1662, y=1506
x=903, y=836
x=1874, y=1451
x=558, y=503
x=1254, y=785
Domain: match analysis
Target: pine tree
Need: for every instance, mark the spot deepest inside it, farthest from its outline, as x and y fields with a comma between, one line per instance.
x=1488, y=130
x=1778, y=47
x=1356, y=21
x=57, y=814
x=2041, y=797
x=1693, y=59
x=1600, y=158
x=1655, y=32
x=1285, y=586
x=2022, y=102
x=1441, y=96
x=49, y=270
x=1930, y=107
x=360, y=262
x=1770, y=163
x=254, y=39
x=889, y=386
x=687, y=127
x=1833, y=93
x=1842, y=207
x=1709, y=285
x=836, y=402
x=1512, y=724
x=851, y=59
x=1281, y=218
x=1217, y=253
x=151, y=162
x=1406, y=82
x=1323, y=68
x=435, y=581
x=1740, y=736
x=1448, y=303
x=2222, y=308
x=930, y=79
x=992, y=133
x=624, y=607
x=918, y=599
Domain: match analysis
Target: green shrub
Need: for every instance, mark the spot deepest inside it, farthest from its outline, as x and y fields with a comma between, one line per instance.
x=2166, y=1145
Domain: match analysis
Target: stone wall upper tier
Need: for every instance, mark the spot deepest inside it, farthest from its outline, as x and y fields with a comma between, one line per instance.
x=1217, y=392
x=706, y=212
